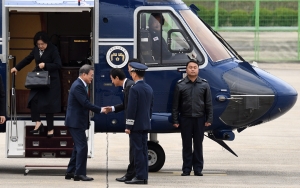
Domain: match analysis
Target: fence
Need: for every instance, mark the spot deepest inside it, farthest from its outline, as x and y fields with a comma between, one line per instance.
x=264, y=30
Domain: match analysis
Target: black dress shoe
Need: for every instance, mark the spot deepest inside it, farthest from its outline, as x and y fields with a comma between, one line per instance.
x=136, y=181
x=69, y=176
x=185, y=174
x=123, y=179
x=198, y=174
x=82, y=178
x=41, y=129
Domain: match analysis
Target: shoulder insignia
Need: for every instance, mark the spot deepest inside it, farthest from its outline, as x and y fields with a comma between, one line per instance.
x=203, y=80
x=179, y=80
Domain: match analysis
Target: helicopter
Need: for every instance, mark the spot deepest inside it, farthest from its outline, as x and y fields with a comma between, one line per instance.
x=107, y=34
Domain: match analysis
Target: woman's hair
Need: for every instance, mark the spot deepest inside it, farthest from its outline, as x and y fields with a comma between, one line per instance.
x=41, y=35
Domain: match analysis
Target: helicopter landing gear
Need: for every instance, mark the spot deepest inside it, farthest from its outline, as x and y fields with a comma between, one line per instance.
x=156, y=154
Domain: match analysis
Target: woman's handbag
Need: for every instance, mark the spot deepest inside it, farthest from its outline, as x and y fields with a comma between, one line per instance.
x=39, y=79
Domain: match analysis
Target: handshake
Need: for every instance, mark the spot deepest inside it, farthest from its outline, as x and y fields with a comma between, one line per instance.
x=106, y=109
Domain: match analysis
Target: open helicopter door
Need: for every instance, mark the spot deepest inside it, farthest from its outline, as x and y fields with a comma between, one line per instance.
x=19, y=141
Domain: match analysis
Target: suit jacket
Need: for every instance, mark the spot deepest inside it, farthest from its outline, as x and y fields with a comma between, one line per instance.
x=77, y=115
x=50, y=98
x=139, y=109
x=2, y=98
x=123, y=105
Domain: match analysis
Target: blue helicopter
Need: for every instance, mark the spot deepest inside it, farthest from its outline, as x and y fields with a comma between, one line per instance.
x=107, y=33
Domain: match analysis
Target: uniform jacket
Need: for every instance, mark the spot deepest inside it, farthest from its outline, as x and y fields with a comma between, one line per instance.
x=159, y=46
x=2, y=98
x=192, y=99
x=77, y=115
x=139, y=109
x=49, y=99
x=123, y=105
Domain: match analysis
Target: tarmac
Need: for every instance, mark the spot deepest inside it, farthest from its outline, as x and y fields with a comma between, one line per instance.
x=268, y=156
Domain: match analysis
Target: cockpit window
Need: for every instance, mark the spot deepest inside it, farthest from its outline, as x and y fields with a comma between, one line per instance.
x=250, y=98
x=162, y=40
x=212, y=45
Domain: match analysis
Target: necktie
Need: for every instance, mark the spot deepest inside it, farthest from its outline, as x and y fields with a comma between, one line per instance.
x=41, y=52
x=87, y=89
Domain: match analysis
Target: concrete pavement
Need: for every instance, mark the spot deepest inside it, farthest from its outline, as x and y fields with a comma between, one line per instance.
x=269, y=156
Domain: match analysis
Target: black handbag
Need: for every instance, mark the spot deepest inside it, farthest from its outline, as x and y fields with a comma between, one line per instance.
x=39, y=79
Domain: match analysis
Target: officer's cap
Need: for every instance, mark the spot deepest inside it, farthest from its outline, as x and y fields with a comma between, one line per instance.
x=137, y=66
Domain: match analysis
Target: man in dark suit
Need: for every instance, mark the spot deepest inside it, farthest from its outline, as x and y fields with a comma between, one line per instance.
x=77, y=121
x=118, y=78
x=138, y=117
x=2, y=102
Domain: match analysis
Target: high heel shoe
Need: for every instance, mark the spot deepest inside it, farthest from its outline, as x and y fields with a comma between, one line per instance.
x=41, y=129
x=50, y=135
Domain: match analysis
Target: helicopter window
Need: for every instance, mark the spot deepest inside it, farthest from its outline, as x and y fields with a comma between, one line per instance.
x=162, y=41
x=212, y=45
x=251, y=97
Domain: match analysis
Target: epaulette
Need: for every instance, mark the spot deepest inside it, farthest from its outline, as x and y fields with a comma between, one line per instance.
x=180, y=80
x=203, y=80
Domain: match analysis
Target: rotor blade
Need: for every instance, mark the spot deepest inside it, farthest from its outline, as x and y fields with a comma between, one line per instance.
x=222, y=143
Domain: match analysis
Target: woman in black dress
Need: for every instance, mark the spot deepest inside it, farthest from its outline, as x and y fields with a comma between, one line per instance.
x=44, y=100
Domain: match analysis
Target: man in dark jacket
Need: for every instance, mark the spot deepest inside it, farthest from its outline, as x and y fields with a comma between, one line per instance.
x=138, y=117
x=77, y=121
x=192, y=100
x=118, y=78
x=2, y=102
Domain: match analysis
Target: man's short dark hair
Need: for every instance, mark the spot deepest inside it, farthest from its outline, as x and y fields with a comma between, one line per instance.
x=191, y=61
x=116, y=72
x=141, y=74
x=85, y=69
x=41, y=35
x=154, y=16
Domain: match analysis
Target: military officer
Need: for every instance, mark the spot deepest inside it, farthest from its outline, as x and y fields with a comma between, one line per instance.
x=138, y=117
x=118, y=78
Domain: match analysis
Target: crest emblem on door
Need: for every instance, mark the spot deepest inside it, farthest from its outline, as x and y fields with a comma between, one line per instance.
x=117, y=57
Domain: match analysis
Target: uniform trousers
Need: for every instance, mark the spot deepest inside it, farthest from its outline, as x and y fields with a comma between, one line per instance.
x=35, y=114
x=78, y=160
x=140, y=153
x=192, y=134
x=130, y=173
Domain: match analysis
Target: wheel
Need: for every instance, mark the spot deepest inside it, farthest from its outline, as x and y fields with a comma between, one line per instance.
x=156, y=156
x=26, y=172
